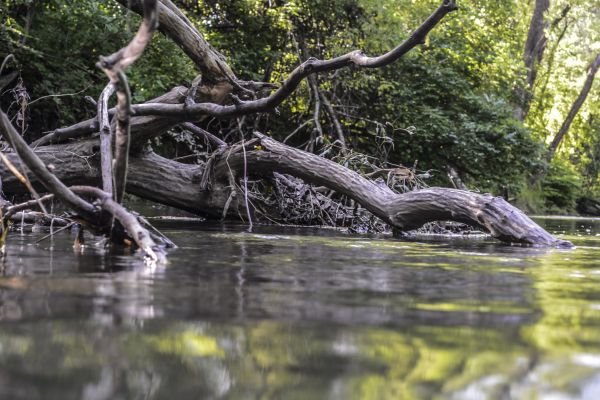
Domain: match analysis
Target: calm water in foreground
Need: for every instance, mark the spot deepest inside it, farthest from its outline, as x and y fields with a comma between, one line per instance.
x=284, y=313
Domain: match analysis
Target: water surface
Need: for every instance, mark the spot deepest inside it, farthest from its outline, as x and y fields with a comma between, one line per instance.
x=290, y=313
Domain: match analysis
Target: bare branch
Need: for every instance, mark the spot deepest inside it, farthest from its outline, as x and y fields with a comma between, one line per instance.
x=405, y=211
x=106, y=139
x=114, y=66
x=90, y=126
x=178, y=27
x=127, y=55
x=212, y=139
x=122, y=135
x=10, y=211
x=23, y=179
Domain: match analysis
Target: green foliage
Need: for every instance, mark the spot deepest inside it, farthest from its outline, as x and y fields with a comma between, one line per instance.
x=561, y=186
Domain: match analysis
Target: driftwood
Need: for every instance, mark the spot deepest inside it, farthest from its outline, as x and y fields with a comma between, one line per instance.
x=210, y=189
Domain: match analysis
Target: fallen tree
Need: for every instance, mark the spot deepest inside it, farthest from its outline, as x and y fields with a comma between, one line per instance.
x=115, y=154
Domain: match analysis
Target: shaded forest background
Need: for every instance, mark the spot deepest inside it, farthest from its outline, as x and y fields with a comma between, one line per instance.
x=448, y=109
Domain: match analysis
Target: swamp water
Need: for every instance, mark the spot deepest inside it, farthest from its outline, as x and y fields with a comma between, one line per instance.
x=285, y=313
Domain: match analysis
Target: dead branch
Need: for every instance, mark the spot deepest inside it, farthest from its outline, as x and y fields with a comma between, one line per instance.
x=23, y=179
x=212, y=139
x=176, y=26
x=105, y=139
x=114, y=66
x=91, y=126
x=404, y=211
x=311, y=66
x=11, y=210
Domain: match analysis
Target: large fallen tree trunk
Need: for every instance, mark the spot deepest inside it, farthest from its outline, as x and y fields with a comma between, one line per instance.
x=212, y=188
x=176, y=184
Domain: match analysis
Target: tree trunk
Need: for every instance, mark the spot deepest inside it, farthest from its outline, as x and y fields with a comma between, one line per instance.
x=564, y=129
x=532, y=55
x=175, y=184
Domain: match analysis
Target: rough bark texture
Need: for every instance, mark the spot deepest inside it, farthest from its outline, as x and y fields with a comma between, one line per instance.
x=106, y=139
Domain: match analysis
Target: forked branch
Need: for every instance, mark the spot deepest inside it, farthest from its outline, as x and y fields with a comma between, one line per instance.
x=131, y=224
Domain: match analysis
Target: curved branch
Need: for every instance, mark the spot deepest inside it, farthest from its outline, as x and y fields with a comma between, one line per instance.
x=404, y=211
x=311, y=66
x=126, y=56
x=175, y=25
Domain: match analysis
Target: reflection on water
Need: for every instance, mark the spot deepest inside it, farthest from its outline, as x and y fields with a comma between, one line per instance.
x=284, y=313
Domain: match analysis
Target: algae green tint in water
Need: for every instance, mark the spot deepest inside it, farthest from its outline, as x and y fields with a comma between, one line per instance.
x=285, y=313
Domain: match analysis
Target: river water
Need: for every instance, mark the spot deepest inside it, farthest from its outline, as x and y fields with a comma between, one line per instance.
x=290, y=313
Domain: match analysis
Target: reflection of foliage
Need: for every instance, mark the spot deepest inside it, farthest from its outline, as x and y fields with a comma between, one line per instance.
x=485, y=346
x=185, y=344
